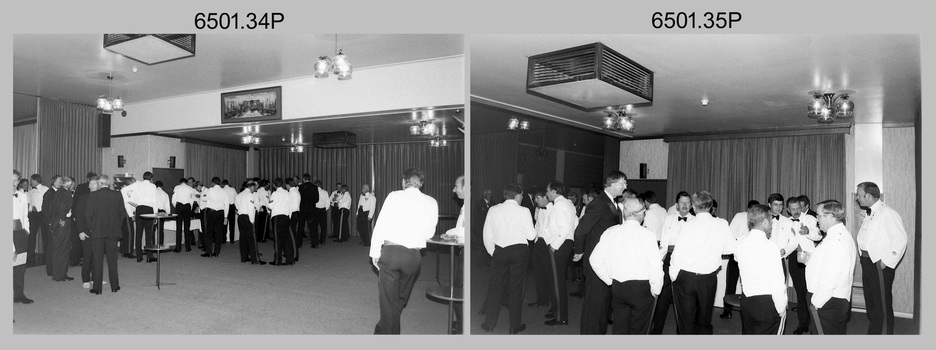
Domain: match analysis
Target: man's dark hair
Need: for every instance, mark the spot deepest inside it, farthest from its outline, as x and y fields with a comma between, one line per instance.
x=317, y=182
x=871, y=188
x=683, y=194
x=774, y=197
x=752, y=203
x=290, y=181
x=147, y=176
x=225, y=182
x=306, y=177
x=216, y=180
x=804, y=199
x=614, y=176
x=159, y=184
x=91, y=174
x=512, y=190
x=183, y=180
x=264, y=183
x=791, y=200
x=648, y=196
x=278, y=182
x=558, y=187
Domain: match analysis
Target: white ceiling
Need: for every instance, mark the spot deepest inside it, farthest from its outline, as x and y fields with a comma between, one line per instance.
x=752, y=81
x=74, y=67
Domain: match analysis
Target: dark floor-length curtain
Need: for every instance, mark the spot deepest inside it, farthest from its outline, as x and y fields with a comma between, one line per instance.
x=204, y=162
x=24, y=149
x=738, y=170
x=68, y=139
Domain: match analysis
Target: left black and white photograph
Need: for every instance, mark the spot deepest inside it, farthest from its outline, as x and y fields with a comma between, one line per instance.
x=238, y=183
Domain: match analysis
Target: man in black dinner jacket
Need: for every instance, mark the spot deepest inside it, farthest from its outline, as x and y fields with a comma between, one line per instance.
x=600, y=214
x=105, y=215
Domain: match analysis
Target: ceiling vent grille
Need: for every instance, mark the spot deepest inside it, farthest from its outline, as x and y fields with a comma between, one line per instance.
x=151, y=48
x=589, y=77
x=336, y=139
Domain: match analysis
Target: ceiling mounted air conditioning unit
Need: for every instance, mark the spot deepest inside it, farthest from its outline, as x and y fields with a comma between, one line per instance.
x=336, y=139
x=589, y=78
x=151, y=48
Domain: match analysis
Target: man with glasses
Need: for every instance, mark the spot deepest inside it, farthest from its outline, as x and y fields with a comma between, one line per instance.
x=830, y=272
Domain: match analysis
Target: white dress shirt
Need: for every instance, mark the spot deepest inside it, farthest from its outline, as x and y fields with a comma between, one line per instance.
x=145, y=193
x=541, y=222
x=782, y=235
x=672, y=227
x=126, y=192
x=280, y=203
x=184, y=194
x=831, y=267
x=739, y=226
x=806, y=244
x=21, y=209
x=672, y=210
x=628, y=252
x=761, y=274
x=507, y=224
x=882, y=234
x=344, y=201
x=35, y=197
x=163, y=202
x=231, y=193
x=245, y=204
x=294, y=199
x=701, y=248
x=561, y=222
x=262, y=198
x=216, y=198
x=323, y=199
x=368, y=202
x=408, y=218
x=459, y=230
x=653, y=220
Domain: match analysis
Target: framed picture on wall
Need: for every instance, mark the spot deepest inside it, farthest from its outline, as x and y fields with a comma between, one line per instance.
x=252, y=105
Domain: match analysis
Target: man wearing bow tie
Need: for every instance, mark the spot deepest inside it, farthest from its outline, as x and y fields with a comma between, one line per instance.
x=805, y=226
x=782, y=229
x=600, y=214
x=672, y=227
x=882, y=241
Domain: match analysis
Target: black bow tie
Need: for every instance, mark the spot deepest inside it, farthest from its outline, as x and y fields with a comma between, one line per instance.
x=776, y=217
x=683, y=218
x=868, y=211
x=795, y=220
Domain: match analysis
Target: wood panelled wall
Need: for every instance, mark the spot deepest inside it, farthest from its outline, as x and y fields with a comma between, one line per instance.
x=380, y=165
x=900, y=193
x=68, y=140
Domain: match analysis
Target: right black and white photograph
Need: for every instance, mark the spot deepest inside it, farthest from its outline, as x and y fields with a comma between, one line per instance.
x=695, y=184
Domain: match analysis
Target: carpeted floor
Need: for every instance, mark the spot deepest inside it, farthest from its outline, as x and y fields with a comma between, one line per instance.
x=533, y=317
x=331, y=290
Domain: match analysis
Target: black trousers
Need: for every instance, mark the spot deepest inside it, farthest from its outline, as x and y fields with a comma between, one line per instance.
x=596, y=303
x=143, y=225
x=759, y=315
x=61, y=246
x=833, y=316
x=295, y=226
x=731, y=278
x=214, y=232
x=344, y=229
x=282, y=240
x=399, y=267
x=305, y=220
x=508, y=272
x=798, y=275
x=77, y=246
x=101, y=248
x=36, y=226
x=663, y=300
x=559, y=263
x=541, y=270
x=632, y=303
x=880, y=307
x=126, y=236
x=87, y=260
x=319, y=224
x=335, y=221
x=21, y=244
x=363, y=226
x=203, y=235
x=694, y=296
x=260, y=224
x=248, y=243
x=231, y=221
x=184, y=226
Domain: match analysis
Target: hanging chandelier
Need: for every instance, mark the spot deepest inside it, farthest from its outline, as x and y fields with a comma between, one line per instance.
x=250, y=139
x=516, y=124
x=619, y=121
x=438, y=142
x=423, y=124
x=340, y=65
x=297, y=148
x=107, y=104
x=826, y=106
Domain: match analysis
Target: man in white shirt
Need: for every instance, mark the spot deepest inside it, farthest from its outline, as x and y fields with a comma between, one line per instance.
x=797, y=261
x=183, y=196
x=246, y=214
x=739, y=228
x=37, y=223
x=672, y=227
x=21, y=222
x=882, y=240
x=217, y=205
x=765, y=298
x=320, y=215
x=627, y=259
x=655, y=215
x=280, y=210
x=694, y=266
x=507, y=229
x=539, y=253
x=367, y=205
x=344, y=214
x=830, y=272
x=129, y=230
x=295, y=200
x=263, y=210
x=459, y=233
x=782, y=227
x=559, y=237
x=408, y=219
x=145, y=198
x=231, y=213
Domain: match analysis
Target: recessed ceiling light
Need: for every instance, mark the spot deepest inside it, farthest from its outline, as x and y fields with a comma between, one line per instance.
x=705, y=101
x=134, y=69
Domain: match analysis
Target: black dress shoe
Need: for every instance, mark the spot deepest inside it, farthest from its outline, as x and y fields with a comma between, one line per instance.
x=551, y=315
x=244, y=260
x=725, y=315
x=554, y=322
x=315, y=246
x=538, y=304
x=487, y=328
x=128, y=255
x=801, y=330
x=149, y=260
x=140, y=259
x=95, y=291
x=214, y=255
x=275, y=264
x=518, y=329
x=23, y=300
x=114, y=289
x=188, y=249
x=206, y=255
x=288, y=263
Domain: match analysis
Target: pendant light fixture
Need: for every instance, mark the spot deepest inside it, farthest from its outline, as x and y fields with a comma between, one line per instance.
x=340, y=65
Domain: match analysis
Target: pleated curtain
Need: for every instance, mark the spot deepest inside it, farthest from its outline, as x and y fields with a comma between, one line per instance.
x=204, y=162
x=738, y=170
x=68, y=139
x=24, y=149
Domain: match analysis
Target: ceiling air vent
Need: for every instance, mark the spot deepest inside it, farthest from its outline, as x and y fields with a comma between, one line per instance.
x=151, y=48
x=337, y=139
x=589, y=77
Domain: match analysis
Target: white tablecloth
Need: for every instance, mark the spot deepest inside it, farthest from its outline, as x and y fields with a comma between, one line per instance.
x=170, y=231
